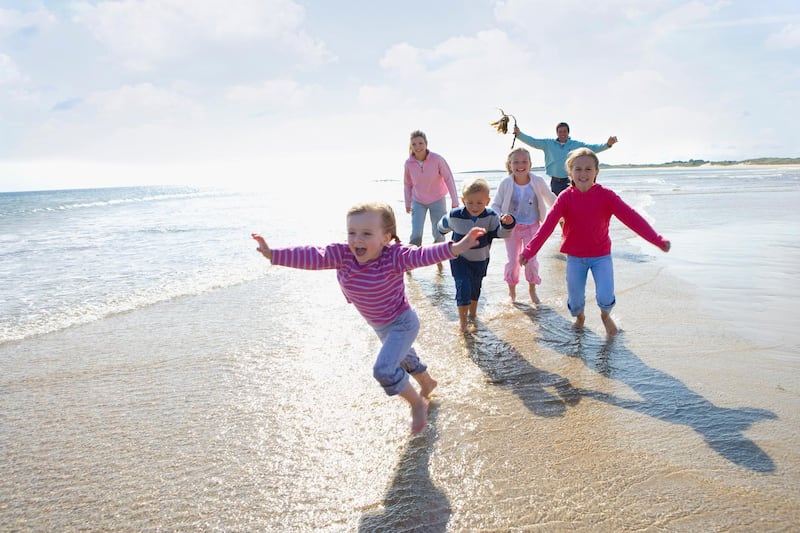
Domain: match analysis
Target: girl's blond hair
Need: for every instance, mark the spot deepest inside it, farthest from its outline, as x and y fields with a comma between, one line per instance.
x=385, y=211
x=575, y=154
x=511, y=156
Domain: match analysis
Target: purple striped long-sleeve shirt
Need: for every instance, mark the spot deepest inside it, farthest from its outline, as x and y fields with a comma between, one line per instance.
x=376, y=288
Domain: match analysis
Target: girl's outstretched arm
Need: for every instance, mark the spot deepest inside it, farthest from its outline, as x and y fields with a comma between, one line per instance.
x=470, y=240
x=263, y=247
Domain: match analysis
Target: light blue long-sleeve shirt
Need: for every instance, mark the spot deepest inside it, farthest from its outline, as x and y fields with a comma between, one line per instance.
x=555, y=153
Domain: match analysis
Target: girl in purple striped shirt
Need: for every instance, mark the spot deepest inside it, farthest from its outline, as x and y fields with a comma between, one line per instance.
x=370, y=271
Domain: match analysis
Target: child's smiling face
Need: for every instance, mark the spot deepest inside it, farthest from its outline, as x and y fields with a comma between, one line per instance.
x=520, y=166
x=366, y=236
x=583, y=172
x=476, y=202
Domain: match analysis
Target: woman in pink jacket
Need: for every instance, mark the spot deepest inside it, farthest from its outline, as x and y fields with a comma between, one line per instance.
x=427, y=180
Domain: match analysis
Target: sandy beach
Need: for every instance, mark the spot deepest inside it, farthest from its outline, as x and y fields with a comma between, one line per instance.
x=196, y=421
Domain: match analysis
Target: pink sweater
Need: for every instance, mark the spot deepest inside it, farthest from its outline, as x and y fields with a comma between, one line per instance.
x=587, y=216
x=376, y=288
x=430, y=181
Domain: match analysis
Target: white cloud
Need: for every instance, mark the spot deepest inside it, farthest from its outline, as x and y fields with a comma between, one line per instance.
x=403, y=61
x=9, y=72
x=145, y=33
x=141, y=103
x=138, y=119
x=274, y=95
x=257, y=85
x=788, y=38
x=12, y=21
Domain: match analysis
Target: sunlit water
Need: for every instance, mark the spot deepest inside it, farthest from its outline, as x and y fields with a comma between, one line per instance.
x=158, y=374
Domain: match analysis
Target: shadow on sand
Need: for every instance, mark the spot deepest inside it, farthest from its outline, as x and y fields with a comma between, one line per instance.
x=412, y=502
x=543, y=393
x=662, y=396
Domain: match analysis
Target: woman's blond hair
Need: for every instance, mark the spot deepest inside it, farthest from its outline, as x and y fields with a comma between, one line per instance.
x=415, y=133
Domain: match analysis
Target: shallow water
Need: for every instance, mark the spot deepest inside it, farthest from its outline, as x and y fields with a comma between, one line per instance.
x=250, y=406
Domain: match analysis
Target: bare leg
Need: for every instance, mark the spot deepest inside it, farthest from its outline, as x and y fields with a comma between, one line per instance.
x=426, y=384
x=512, y=293
x=439, y=267
x=534, y=298
x=462, y=317
x=419, y=408
x=579, y=320
x=473, y=309
x=611, y=327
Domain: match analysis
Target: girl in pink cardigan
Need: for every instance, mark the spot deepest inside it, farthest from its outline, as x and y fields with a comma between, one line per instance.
x=586, y=208
x=522, y=194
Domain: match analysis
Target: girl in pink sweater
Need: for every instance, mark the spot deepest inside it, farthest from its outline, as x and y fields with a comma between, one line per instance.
x=370, y=271
x=586, y=208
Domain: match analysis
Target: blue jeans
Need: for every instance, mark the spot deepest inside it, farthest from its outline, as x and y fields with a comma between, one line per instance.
x=603, y=273
x=397, y=358
x=437, y=209
x=468, y=276
x=558, y=185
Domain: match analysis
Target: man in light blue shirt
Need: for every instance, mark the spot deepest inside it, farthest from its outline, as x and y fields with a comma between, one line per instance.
x=556, y=152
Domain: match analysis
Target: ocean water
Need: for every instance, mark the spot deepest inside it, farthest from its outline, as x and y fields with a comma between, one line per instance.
x=70, y=257
x=158, y=374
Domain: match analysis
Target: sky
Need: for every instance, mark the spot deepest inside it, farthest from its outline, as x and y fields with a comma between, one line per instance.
x=221, y=92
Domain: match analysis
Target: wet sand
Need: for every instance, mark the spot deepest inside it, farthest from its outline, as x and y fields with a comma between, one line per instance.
x=239, y=410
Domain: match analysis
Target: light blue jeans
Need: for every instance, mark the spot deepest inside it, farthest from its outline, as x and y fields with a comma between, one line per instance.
x=437, y=210
x=603, y=273
x=397, y=358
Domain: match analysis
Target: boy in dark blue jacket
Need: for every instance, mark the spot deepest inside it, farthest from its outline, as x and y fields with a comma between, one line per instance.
x=470, y=267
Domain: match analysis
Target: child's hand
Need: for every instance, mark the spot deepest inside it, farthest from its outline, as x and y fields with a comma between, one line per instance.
x=474, y=236
x=523, y=260
x=506, y=219
x=666, y=247
x=470, y=240
x=262, y=246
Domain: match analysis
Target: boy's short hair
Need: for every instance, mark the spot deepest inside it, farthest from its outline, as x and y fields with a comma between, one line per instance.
x=476, y=185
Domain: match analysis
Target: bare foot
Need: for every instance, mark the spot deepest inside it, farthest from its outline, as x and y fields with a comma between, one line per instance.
x=426, y=383
x=534, y=298
x=419, y=416
x=611, y=327
x=512, y=293
x=426, y=387
x=579, y=321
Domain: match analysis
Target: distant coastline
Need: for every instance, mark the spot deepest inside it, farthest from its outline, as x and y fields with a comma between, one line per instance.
x=766, y=161
x=703, y=162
